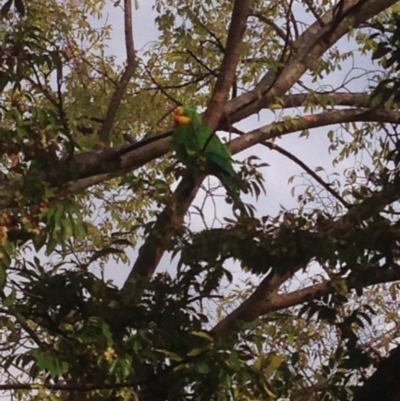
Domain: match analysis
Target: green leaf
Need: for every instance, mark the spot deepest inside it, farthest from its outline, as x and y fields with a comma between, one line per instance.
x=198, y=351
x=10, y=299
x=202, y=334
x=113, y=366
x=50, y=363
x=273, y=365
x=171, y=355
x=126, y=367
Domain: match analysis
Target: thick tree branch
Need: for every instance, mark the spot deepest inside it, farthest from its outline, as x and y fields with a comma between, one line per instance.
x=167, y=223
x=97, y=167
x=283, y=301
x=265, y=299
x=172, y=217
x=311, y=45
x=226, y=77
x=311, y=121
x=116, y=98
x=328, y=99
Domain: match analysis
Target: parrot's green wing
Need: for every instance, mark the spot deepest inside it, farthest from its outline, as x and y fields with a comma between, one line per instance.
x=215, y=152
x=185, y=144
x=195, y=140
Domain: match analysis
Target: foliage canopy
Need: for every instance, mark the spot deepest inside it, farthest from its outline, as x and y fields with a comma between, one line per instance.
x=294, y=302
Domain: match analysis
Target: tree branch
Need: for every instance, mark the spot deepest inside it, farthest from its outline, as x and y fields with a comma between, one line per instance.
x=279, y=31
x=304, y=166
x=229, y=63
x=326, y=99
x=116, y=98
x=311, y=45
x=311, y=121
x=167, y=223
x=64, y=386
x=172, y=217
x=314, y=12
x=90, y=168
x=266, y=299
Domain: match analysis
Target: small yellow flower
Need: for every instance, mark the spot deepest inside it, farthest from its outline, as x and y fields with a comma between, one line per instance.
x=3, y=235
x=110, y=354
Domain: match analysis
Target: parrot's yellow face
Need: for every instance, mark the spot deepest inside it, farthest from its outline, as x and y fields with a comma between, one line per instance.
x=180, y=118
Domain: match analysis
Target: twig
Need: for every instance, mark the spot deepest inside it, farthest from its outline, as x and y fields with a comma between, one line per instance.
x=217, y=42
x=161, y=89
x=316, y=177
x=201, y=63
x=279, y=31
x=314, y=12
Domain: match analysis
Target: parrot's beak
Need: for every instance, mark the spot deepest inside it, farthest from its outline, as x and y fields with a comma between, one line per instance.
x=176, y=121
x=180, y=118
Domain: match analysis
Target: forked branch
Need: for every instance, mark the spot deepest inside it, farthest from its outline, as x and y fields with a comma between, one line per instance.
x=171, y=218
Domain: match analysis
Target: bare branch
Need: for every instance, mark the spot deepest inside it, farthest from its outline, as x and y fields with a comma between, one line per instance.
x=265, y=299
x=250, y=309
x=130, y=48
x=125, y=78
x=311, y=121
x=167, y=223
x=326, y=99
x=312, y=44
x=283, y=301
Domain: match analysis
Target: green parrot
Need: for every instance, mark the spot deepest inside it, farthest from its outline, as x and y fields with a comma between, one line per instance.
x=192, y=139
